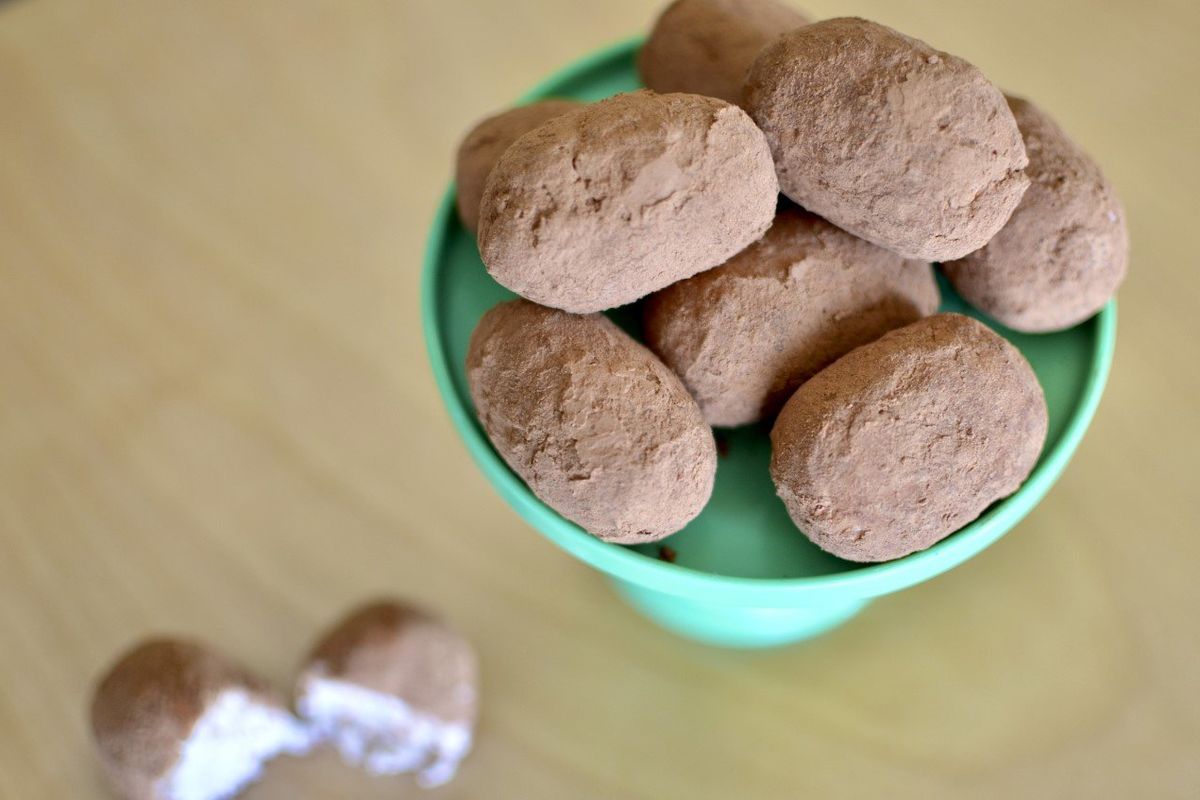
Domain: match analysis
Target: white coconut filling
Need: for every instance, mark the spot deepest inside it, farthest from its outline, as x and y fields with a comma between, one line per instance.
x=229, y=744
x=383, y=733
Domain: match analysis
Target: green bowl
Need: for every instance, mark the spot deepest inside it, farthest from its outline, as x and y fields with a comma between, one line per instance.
x=743, y=575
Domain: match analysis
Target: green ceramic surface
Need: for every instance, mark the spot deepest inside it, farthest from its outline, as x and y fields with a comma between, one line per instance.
x=744, y=575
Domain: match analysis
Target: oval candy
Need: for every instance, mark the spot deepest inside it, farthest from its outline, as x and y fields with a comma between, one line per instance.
x=879, y=133
x=743, y=336
x=707, y=46
x=597, y=427
x=483, y=145
x=903, y=441
x=599, y=207
x=1065, y=249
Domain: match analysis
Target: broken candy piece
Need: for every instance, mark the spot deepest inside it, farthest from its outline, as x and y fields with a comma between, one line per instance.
x=395, y=690
x=173, y=720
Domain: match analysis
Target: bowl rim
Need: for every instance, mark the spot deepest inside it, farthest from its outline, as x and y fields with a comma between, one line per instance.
x=629, y=565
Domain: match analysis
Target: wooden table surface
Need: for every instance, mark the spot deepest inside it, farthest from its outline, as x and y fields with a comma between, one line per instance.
x=217, y=419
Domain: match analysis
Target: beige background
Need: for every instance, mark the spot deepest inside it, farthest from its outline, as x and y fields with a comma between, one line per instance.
x=216, y=418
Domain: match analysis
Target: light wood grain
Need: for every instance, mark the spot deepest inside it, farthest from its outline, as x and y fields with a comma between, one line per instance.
x=216, y=418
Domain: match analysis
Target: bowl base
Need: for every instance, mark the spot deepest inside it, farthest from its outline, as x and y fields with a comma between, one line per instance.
x=737, y=626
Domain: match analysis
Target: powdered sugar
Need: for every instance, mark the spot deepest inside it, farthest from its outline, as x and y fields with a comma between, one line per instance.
x=230, y=743
x=382, y=733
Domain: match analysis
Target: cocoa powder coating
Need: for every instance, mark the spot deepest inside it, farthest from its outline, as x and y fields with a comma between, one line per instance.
x=707, y=46
x=896, y=142
x=903, y=441
x=743, y=336
x=597, y=427
x=487, y=141
x=606, y=204
x=1065, y=249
